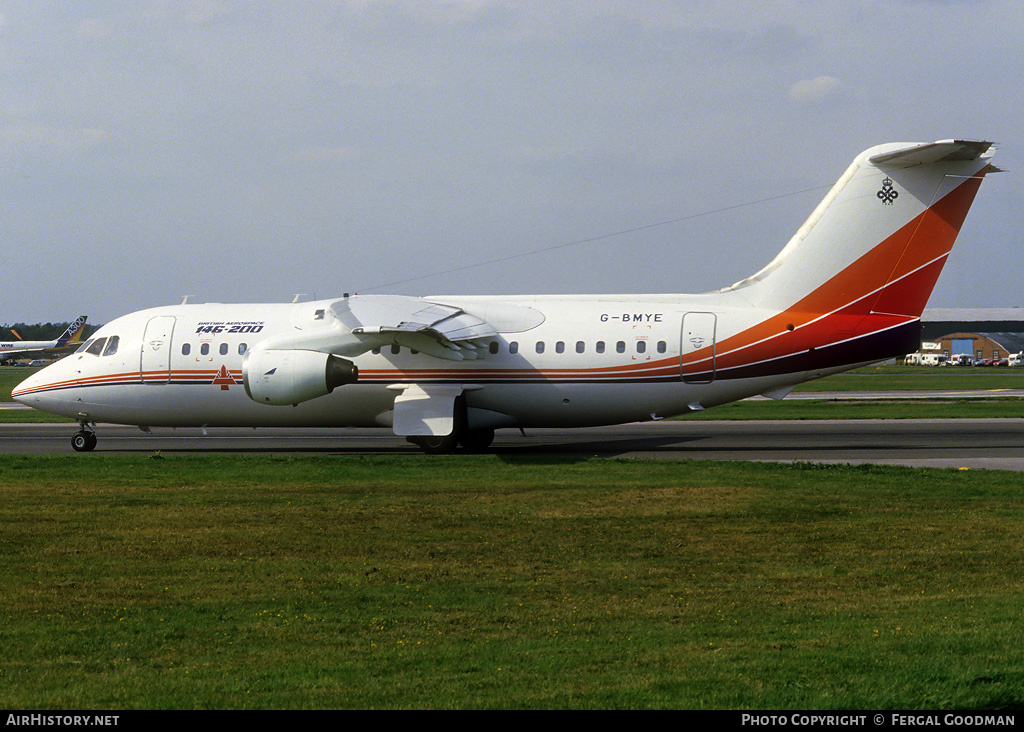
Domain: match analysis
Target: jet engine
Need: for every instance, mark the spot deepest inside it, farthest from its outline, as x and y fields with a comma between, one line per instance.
x=282, y=377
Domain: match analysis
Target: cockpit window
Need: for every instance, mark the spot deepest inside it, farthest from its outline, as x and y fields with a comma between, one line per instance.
x=85, y=346
x=97, y=346
x=111, y=348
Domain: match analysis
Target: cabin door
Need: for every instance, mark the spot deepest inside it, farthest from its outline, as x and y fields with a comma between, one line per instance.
x=155, y=367
x=697, y=349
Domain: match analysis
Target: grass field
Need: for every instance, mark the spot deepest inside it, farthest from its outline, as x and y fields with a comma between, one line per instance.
x=947, y=408
x=418, y=582
x=910, y=378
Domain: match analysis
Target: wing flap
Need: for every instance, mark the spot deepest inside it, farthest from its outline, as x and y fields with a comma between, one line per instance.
x=439, y=330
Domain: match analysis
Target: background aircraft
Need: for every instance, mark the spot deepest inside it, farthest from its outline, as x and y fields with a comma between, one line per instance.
x=68, y=341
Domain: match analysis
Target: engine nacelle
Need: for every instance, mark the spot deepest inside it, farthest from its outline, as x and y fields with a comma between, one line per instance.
x=292, y=376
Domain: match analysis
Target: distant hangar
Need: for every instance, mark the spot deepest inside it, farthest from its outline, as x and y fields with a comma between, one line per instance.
x=984, y=333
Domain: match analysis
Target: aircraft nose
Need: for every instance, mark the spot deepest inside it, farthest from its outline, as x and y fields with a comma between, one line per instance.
x=38, y=391
x=27, y=391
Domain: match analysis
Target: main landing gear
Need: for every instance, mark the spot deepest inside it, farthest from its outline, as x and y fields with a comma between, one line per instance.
x=470, y=440
x=477, y=440
x=84, y=440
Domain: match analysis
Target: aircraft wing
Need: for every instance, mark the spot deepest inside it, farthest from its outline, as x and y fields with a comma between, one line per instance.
x=34, y=350
x=442, y=331
x=49, y=351
x=7, y=353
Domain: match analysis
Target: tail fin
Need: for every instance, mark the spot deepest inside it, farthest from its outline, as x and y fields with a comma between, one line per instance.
x=74, y=333
x=880, y=237
x=851, y=285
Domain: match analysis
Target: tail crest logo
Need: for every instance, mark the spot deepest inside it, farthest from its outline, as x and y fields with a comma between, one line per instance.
x=888, y=194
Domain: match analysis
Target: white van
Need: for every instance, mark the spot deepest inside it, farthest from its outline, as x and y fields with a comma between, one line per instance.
x=924, y=359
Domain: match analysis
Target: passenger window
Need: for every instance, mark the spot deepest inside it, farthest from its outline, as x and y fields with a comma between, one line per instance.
x=493, y=347
x=641, y=346
x=205, y=349
x=600, y=347
x=540, y=346
x=186, y=348
x=620, y=347
x=111, y=348
x=242, y=348
x=560, y=347
x=396, y=349
x=580, y=346
x=97, y=347
x=513, y=347
x=223, y=349
x=662, y=346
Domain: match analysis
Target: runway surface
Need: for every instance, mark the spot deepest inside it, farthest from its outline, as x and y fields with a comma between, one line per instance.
x=956, y=443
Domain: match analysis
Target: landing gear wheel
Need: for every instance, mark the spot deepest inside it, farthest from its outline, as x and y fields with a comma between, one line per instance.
x=438, y=444
x=83, y=441
x=476, y=440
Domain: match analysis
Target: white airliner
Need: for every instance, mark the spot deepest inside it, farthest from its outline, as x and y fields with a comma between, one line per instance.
x=847, y=290
x=69, y=341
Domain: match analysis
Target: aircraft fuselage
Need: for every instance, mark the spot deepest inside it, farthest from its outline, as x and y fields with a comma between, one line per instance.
x=848, y=289
x=556, y=363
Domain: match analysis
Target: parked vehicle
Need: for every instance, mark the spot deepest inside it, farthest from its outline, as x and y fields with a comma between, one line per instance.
x=924, y=359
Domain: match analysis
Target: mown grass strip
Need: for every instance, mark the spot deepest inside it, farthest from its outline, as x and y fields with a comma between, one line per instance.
x=899, y=378
x=419, y=582
x=952, y=408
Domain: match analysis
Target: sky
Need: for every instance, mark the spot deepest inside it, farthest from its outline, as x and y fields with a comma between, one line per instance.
x=255, y=151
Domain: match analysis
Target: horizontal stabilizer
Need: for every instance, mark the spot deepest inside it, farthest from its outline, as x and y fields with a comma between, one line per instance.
x=943, y=151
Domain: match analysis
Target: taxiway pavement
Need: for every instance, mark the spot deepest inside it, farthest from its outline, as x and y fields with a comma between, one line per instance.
x=954, y=443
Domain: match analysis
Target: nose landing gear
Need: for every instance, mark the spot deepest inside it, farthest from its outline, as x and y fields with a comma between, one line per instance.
x=84, y=440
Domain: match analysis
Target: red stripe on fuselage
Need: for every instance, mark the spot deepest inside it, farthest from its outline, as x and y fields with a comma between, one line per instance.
x=888, y=285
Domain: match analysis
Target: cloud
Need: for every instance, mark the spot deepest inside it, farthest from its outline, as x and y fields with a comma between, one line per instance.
x=536, y=154
x=191, y=12
x=814, y=90
x=92, y=28
x=51, y=139
x=326, y=154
